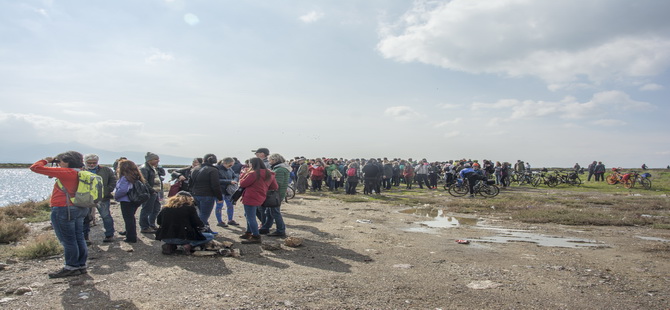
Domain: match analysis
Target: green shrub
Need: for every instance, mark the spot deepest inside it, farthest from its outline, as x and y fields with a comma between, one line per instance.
x=42, y=246
x=12, y=230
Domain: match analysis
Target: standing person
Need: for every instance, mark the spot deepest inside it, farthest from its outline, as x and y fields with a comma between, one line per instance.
x=303, y=174
x=228, y=181
x=150, y=208
x=421, y=171
x=206, y=188
x=108, y=183
x=183, y=175
x=600, y=171
x=396, y=173
x=180, y=225
x=128, y=173
x=433, y=170
x=256, y=183
x=352, y=178
x=592, y=170
x=331, y=167
x=408, y=175
x=273, y=214
x=498, y=173
x=263, y=154
x=387, y=176
x=317, y=173
x=371, y=173
x=67, y=220
x=576, y=167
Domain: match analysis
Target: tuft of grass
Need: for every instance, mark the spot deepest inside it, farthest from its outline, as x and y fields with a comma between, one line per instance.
x=42, y=246
x=12, y=230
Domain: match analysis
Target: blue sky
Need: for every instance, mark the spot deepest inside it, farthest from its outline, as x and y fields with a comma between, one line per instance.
x=549, y=82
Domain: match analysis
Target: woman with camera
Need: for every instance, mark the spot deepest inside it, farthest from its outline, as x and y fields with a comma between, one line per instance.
x=67, y=220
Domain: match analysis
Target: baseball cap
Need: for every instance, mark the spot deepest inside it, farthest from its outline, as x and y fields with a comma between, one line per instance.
x=262, y=150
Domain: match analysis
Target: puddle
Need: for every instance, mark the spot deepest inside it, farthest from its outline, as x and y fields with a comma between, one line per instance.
x=438, y=218
x=652, y=239
x=511, y=235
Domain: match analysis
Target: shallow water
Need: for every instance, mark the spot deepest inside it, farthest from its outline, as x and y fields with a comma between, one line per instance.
x=438, y=218
x=20, y=185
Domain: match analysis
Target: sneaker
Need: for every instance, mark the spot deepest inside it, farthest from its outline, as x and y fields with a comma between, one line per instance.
x=232, y=222
x=148, y=230
x=122, y=233
x=108, y=239
x=246, y=235
x=277, y=234
x=83, y=270
x=64, y=273
x=222, y=224
x=252, y=239
x=168, y=249
x=263, y=231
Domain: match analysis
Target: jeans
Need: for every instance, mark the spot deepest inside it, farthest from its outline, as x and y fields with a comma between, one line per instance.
x=68, y=224
x=250, y=215
x=219, y=210
x=149, y=212
x=205, y=207
x=128, y=210
x=107, y=220
x=273, y=215
x=351, y=187
x=208, y=237
x=422, y=178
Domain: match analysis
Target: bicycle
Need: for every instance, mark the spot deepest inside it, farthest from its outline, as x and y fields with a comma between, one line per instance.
x=485, y=188
x=290, y=192
x=628, y=180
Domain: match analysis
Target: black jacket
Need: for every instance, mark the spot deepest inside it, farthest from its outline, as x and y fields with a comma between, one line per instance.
x=205, y=182
x=179, y=223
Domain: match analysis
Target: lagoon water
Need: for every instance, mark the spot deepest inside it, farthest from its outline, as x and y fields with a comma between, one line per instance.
x=20, y=185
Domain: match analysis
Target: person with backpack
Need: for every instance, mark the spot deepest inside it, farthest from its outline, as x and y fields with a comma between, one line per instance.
x=352, y=178
x=128, y=174
x=256, y=183
x=108, y=183
x=273, y=214
x=67, y=220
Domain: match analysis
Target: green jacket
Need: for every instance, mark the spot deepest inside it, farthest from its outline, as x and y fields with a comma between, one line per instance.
x=329, y=169
x=282, y=175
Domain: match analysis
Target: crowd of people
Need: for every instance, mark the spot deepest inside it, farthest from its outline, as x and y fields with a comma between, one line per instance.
x=181, y=219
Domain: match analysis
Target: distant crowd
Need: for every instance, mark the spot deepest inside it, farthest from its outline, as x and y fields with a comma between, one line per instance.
x=181, y=219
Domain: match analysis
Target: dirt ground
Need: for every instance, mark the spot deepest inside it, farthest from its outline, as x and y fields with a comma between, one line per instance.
x=365, y=255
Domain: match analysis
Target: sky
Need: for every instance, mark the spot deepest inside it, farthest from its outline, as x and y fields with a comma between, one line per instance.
x=549, y=82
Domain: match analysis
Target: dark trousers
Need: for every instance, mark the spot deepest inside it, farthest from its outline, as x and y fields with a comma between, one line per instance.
x=387, y=183
x=590, y=175
x=422, y=178
x=316, y=184
x=433, y=180
x=600, y=176
x=351, y=187
x=128, y=210
x=409, y=181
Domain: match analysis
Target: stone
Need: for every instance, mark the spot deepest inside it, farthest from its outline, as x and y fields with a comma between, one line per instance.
x=270, y=246
x=23, y=290
x=483, y=285
x=293, y=242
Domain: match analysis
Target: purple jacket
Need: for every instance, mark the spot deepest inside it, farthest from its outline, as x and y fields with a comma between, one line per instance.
x=122, y=188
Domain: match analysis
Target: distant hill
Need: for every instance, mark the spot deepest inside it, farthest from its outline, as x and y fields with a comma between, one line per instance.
x=29, y=153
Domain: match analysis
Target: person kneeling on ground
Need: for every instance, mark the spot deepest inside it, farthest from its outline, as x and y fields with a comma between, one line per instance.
x=180, y=225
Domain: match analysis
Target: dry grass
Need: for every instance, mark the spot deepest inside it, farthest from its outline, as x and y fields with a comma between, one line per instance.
x=42, y=246
x=12, y=230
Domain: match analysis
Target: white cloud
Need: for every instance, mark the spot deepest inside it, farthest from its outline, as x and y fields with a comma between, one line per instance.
x=600, y=104
x=447, y=123
x=651, y=86
x=311, y=17
x=402, y=113
x=158, y=56
x=191, y=19
x=80, y=113
x=609, y=122
x=534, y=38
x=452, y=134
x=449, y=106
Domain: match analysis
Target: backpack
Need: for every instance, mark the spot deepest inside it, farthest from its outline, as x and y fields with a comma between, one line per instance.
x=139, y=192
x=351, y=172
x=89, y=190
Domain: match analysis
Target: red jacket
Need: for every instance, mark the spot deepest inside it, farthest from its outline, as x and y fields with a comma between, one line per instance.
x=317, y=172
x=255, y=190
x=67, y=176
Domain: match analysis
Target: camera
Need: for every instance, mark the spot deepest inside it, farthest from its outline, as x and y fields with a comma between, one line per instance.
x=55, y=161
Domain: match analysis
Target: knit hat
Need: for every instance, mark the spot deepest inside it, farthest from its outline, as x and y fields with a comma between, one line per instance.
x=150, y=156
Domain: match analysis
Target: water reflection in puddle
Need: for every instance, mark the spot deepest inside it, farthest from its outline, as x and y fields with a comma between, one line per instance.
x=510, y=235
x=440, y=219
x=652, y=239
